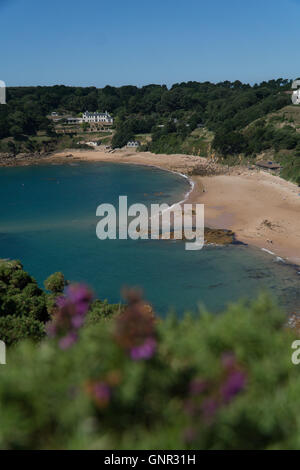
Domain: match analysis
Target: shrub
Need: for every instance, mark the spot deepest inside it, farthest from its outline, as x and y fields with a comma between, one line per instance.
x=25, y=308
x=136, y=382
x=55, y=283
x=20, y=294
x=14, y=329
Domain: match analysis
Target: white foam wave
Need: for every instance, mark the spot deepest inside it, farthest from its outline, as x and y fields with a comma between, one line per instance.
x=268, y=251
x=192, y=185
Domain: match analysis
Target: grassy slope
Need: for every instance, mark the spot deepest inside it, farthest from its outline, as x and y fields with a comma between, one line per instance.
x=198, y=142
x=287, y=116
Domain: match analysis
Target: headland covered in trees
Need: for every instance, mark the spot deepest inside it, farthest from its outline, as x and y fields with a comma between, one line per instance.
x=231, y=121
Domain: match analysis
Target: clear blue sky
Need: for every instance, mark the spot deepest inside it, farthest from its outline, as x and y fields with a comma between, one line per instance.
x=97, y=42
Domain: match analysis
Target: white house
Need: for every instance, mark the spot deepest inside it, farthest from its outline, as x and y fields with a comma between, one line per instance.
x=97, y=117
x=296, y=96
x=133, y=143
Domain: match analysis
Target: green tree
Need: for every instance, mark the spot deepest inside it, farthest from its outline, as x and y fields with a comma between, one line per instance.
x=55, y=283
x=122, y=136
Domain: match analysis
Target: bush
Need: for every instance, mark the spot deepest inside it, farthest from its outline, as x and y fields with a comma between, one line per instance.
x=122, y=136
x=14, y=329
x=55, y=283
x=102, y=310
x=20, y=294
x=135, y=382
x=25, y=308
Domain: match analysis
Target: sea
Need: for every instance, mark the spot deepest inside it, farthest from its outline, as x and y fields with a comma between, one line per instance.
x=48, y=221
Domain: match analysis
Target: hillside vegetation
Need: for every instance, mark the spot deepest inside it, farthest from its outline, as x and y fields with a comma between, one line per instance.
x=278, y=137
x=25, y=308
x=109, y=378
x=227, y=119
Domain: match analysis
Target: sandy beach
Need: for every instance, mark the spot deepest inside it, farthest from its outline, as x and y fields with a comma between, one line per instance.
x=263, y=210
x=176, y=162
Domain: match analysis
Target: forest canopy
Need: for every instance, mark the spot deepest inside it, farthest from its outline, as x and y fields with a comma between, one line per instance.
x=233, y=112
x=229, y=105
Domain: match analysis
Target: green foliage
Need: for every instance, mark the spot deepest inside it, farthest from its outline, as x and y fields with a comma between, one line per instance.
x=122, y=136
x=49, y=397
x=168, y=143
x=28, y=107
x=19, y=293
x=127, y=129
x=291, y=165
x=55, y=283
x=102, y=310
x=228, y=143
x=14, y=329
x=233, y=111
x=25, y=308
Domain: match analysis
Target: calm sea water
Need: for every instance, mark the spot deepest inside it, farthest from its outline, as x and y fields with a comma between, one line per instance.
x=48, y=221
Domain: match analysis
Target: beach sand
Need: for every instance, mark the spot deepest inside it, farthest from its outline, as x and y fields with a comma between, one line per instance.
x=263, y=210
x=176, y=162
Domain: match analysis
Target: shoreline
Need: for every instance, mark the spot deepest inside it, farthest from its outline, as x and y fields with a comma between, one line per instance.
x=261, y=209
x=270, y=222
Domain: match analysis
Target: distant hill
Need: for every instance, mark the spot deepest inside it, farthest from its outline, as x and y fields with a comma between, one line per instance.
x=231, y=120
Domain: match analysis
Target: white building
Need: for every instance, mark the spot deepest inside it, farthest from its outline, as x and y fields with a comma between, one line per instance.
x=133, y=143
x=97, y=117
x=296, y=97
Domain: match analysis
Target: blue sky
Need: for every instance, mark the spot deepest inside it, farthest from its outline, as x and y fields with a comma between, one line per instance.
x=120, y=42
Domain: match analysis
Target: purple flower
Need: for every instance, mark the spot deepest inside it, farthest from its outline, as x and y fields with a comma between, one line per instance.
x=135, y=329
x=80, y=297
x=77, y=321
x=102, y=391
x=61, y=302
x=67, y=341
x=144, y=351
x=70, y=315
x=234, y=384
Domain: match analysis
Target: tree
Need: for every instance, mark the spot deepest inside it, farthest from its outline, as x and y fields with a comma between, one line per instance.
x=55, y=283
x=12, y=147
x=85, y=126
x=229, y=143
x=15, y=131
x=122, y=136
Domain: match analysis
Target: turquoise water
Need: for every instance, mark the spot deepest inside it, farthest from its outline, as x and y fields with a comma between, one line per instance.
x=48, y=221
